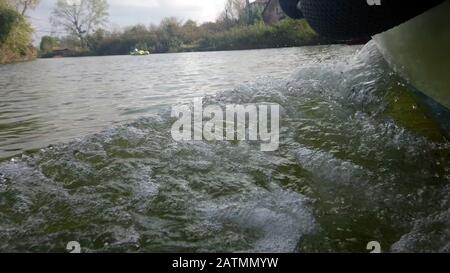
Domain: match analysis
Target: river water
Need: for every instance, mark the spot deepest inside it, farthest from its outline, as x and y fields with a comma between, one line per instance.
x=87, y=156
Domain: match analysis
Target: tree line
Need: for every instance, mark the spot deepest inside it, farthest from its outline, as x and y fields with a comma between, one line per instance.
x=239, y=26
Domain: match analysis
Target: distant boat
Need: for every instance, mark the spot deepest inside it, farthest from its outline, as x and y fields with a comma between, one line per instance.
x=137, y=52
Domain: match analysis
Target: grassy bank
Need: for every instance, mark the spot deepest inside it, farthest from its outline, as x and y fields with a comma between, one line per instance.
x=286, y=33
x=15, y=37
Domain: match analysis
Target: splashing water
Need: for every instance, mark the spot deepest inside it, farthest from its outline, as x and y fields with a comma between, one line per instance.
x=359, y=161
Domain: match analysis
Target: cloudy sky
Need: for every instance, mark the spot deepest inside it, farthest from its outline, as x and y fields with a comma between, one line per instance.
x=129, y=12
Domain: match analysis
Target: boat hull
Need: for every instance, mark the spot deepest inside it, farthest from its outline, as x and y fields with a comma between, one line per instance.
x=419, y=51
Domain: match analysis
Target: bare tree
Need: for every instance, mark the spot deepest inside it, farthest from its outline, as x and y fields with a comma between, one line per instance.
x=80, y=17
x=234, y=9
x=22, y=6
x=239, y=12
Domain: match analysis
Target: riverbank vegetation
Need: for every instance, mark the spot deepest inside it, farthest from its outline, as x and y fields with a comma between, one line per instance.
x=15, y=31
x=238, y=27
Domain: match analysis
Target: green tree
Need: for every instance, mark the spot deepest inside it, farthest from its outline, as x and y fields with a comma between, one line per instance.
x=138, y=37
x=169, y=34
x=15, y=35
x=96, y=38
x=48, y=43
x=8, y=18
x=190, y=32
x=80, y=17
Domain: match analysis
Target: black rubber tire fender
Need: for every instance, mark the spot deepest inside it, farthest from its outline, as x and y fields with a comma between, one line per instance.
x=357, y=19
x=290, y=7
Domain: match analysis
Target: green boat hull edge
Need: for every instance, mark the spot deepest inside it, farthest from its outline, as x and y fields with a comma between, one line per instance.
x=419, y=50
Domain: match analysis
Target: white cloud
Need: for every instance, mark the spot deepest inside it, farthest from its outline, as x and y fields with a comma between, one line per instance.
x=135, y=3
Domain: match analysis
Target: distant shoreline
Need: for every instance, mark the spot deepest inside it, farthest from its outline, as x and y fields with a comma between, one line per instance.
x=89, y=54
x=172, y=36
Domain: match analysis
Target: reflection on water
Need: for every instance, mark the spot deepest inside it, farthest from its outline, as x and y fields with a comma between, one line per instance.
x=359, y=158
x=52, y=101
